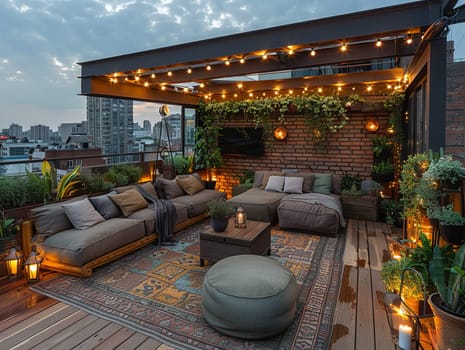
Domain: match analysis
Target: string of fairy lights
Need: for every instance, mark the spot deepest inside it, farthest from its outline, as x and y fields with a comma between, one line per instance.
x=160, y=79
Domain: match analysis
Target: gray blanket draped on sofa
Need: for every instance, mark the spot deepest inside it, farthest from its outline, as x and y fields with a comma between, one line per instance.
x=165, y=216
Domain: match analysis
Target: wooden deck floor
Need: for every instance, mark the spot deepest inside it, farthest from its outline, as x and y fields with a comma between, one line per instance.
x=359, y=323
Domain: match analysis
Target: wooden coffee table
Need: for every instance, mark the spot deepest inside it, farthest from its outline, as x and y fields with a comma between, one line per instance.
x=254, y=239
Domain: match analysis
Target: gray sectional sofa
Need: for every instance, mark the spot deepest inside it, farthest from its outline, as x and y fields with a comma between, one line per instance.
x=81, y=233
x=295, y=200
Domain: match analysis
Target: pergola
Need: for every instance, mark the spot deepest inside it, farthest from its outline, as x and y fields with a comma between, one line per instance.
x=368, y=52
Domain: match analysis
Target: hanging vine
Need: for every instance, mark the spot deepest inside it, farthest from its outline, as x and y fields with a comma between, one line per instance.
x=323, y=114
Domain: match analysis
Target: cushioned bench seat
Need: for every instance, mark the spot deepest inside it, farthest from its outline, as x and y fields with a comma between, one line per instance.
x=78, y=247
x=259, y=205
x=198, y=204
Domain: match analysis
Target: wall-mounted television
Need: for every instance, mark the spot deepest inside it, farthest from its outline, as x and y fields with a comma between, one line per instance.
x=242, y=141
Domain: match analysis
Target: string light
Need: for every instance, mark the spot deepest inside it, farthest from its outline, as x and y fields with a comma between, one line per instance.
x=202, y=85
x=242, y=60
x=239, y=85
x=409, y=39
x=170, y=73
x=189, y=70
x=378, y=43
x=146, y=84
x=344, y=47
x=227, y=63
x=265, y=56
x=312, y=52
x=208, y=67
x=153, y=75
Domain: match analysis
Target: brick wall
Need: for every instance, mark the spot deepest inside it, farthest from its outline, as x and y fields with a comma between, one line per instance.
x=349, y=150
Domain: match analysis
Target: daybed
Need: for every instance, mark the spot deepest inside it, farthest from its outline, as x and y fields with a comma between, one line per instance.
x=301, y=201
x=79, y=234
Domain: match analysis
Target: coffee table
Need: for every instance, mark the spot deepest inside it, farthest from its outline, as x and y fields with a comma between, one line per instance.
x=254, y=239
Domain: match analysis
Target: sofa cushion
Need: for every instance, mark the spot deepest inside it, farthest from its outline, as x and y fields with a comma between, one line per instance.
x=82, y=214
x=260, y=205
x=78, y=247
x=198, y=203
x=149, y=188
x=190, y=184
x=105, y=206
x=129, y=201
x=168, y=189
x=275, y=183
x=266, y=176
x=308, y=180
x=322, y=183
x=336, y=184
x=42, y=217
x=293, y=184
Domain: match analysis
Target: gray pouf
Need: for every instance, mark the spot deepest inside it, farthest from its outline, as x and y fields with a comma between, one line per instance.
x=249, y=296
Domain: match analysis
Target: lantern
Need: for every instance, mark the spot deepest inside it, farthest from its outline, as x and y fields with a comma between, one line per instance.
x=14, y=261
x=32, y=266
x=240, y=219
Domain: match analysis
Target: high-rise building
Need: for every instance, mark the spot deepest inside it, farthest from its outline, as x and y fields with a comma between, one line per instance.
x=15, y=130
x=40, y=133
x=110, y=124
x=147, y=126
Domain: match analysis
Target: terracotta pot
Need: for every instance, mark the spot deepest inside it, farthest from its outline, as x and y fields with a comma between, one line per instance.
x=450, y=328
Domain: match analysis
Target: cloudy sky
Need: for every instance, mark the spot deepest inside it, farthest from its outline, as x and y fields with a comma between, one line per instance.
x=41, y=41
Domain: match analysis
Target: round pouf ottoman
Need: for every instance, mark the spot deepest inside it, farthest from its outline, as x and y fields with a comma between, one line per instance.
x=249, y=296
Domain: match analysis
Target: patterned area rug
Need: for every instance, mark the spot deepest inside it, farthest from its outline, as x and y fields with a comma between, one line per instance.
x=156, y=291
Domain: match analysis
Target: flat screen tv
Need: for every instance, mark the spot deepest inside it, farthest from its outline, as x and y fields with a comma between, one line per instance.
x=242, y=141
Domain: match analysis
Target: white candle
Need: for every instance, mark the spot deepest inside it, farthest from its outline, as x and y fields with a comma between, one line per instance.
x=405, y=334
x=240, y=218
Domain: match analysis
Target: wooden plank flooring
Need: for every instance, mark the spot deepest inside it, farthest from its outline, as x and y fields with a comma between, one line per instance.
x=359, y=323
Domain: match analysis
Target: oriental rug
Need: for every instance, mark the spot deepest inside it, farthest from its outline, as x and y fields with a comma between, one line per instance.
x=156, y=291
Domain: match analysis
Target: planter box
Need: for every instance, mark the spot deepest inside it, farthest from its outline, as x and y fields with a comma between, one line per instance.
x=360, y=207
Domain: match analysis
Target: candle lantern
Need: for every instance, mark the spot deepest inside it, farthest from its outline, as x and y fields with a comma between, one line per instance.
x=240, y=219
x=14, y=261
x=32, y=266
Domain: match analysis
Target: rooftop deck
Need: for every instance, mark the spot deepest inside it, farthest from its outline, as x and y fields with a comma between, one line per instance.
x=30, y=321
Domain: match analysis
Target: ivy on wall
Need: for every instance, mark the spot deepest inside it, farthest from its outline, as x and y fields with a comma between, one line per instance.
x=324, y=115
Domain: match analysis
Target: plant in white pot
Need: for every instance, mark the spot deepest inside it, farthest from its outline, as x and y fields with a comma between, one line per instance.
x=448, y=304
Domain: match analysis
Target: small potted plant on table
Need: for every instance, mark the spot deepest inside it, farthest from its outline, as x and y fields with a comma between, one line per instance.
x=220, y=211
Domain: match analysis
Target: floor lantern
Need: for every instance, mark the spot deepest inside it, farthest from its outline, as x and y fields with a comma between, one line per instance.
x=14, y=262
x=32, y=266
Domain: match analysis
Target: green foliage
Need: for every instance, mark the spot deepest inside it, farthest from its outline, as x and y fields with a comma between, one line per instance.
x=220, y=208
x=95, y=183
x=247, y=177
x=446, y=215
x=351, y=182
x=182, y=164
x=70, y=184
x=323, y=114
x=36, y=189
x=392, y=210
x=445, y=168
x=391, y=274
x=8, y=227
x=12, y=192
x=380, y=144
x=395, y=102
x=449, y=278
x=384, y=167
x=124, y=174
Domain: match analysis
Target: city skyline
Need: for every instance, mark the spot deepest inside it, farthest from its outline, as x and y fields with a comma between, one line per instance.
x=43, y=41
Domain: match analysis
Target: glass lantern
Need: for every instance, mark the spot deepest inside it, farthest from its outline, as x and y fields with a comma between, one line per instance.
x=32, y=266
x=14, y=262
x=240, y=219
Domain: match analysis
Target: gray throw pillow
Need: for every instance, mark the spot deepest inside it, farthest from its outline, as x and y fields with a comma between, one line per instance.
x=82, y=214
x=105, y=206
x=293, y=184
x=170, y=188
x=275, y=184
x=308, y=180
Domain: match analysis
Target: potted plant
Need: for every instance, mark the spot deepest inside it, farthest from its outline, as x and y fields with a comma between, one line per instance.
x=382, y=171
x=448, y=304
x=220, y=211
x=207, y=152
x=451, y=223
x=447, y=170
x=245, y=182
x=381, y=147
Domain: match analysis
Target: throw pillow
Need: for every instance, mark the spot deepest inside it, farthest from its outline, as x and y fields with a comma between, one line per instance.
x=82, y=214
x=308, y=180
x=51, y=218
x=266, y=176
x=190, y=184
x=169, y=188
x=129, y=201
x=336, y=185
x=293, y=184
x=149, y=188
x=275, y=183
x=322, y=183
x=105, y=206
